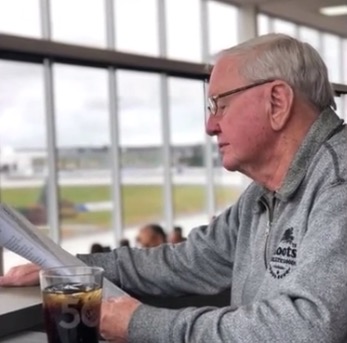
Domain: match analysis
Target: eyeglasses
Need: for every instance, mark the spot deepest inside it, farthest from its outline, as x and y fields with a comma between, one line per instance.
x=213, y=100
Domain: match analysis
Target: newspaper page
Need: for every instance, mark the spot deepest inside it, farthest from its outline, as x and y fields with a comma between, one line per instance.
x=23, y=238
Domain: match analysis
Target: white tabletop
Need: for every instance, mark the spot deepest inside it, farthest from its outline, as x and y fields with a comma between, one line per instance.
x=16, y=298
x=20, y=310
x=27, y=337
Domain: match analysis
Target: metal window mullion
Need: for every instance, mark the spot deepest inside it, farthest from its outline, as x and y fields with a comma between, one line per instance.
x=247, y=27
x=208, y=151
x=340, y=66
x=116, y=187
x=297, y=31
x=116, y=191
x=165, y=111
x=110, y=24
x=321, y=48
x=46, y=19
x=271, y=24
x=1, y=261
x=52, y=155
x=166, y=152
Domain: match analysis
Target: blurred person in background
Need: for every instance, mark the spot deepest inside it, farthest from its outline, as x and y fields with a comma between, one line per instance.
x=176, y=236
x=97, y=248
x=124, y=243
x=150, y=236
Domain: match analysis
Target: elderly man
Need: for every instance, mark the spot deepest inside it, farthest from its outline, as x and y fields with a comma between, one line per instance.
x=282, y=247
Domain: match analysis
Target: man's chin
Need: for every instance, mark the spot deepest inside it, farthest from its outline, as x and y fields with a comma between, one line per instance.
x=229, y=166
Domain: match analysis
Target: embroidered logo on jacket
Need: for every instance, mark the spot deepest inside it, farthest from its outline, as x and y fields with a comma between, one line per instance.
x=284, y=257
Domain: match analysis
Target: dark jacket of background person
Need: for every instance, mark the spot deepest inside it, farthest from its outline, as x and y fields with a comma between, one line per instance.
x=283, y=253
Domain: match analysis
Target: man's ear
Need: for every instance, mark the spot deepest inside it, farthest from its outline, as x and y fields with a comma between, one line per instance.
x=281, y=100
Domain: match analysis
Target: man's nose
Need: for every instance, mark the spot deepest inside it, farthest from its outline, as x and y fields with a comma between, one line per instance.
x=212, y=126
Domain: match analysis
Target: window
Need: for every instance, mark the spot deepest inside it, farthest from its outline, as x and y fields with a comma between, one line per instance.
x=332, y=56
x=310, y=36
x=137, y=30
x=187, y=122
x=227, y=186
x=286, y=27
x=140, y=147
x=20, y=17
x=23, y=152
x=344, y=60
x=79, y=21
x=223, y=29
x=263, y=22
x=83, y=140
x=184, y=30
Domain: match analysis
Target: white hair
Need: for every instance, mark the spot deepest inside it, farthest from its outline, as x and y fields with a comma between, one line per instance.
x=282, y=57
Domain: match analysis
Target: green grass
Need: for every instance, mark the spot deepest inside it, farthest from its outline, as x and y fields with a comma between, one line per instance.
x=141, y=203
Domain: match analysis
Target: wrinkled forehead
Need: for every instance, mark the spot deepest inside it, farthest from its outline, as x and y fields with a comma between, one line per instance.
x=224, y=75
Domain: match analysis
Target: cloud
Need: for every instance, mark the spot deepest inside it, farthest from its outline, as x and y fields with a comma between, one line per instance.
x=81, y=94
x=20, y=17
x=81, y=102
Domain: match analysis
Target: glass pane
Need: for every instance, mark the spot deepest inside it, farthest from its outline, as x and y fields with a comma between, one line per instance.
x=339, y=105
x=344, y=63
x=263, y=24
x=188, y=151
x=23, y=151
x=332, y=56
x=79, y=21
x=20, y=17
x=222, y=26
x=228, y=186
x=142, y=38
x=310, y=36
x=286, y=27
x=83, y=140
x=140, y=147
x=184, y=29
x=344, y=60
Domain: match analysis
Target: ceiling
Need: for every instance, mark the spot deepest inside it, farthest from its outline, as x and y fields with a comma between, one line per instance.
x=303, y=12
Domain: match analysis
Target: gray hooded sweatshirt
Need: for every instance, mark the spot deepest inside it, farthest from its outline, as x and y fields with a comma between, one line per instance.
x=283, y=254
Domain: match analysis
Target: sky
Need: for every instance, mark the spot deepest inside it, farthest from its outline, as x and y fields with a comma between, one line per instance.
x=81, y=95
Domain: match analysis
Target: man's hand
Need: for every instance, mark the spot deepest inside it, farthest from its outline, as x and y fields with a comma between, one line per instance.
x=23, y=275
x=116, y=314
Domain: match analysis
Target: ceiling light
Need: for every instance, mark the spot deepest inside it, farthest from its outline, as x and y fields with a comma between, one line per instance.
x=334, y=10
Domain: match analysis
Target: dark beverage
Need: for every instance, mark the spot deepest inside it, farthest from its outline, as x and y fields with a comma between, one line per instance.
x=72, y=313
